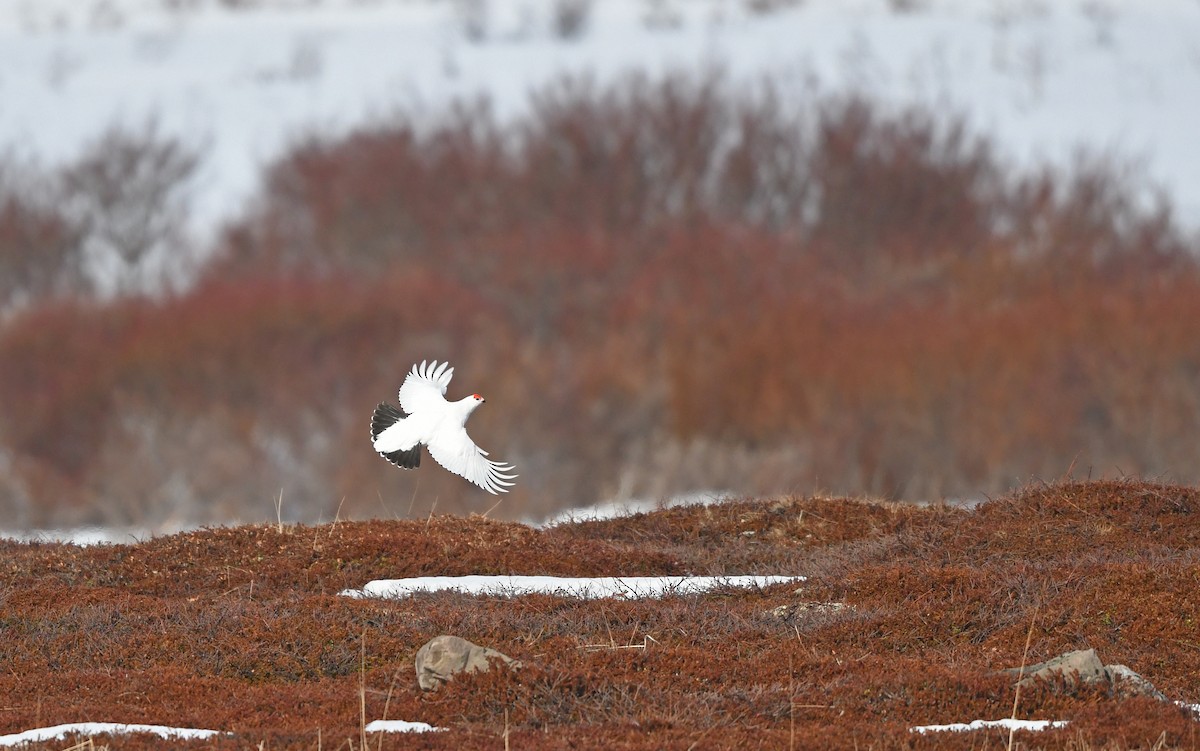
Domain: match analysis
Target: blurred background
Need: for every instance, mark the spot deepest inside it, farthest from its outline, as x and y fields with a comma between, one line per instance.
x=914, y=249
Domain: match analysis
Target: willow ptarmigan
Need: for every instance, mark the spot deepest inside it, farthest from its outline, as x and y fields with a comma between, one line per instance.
x=425, y=418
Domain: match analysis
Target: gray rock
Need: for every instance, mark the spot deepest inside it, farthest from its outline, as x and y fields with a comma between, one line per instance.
x=1125, y=683
x=1084, y=667
x=444, y=657
x=1073, y=667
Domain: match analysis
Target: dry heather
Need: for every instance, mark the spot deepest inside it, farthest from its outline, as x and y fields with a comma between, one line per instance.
x=242, y=629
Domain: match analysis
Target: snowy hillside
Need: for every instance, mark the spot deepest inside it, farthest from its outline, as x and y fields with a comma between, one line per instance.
x=241, y=78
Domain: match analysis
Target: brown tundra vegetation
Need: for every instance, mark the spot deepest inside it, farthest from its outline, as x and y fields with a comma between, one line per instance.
x=662, y=287
x=242, y=629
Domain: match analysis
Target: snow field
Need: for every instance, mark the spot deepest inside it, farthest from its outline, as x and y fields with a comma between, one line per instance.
x=1043, y=78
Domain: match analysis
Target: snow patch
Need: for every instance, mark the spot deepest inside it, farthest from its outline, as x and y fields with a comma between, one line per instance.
x=58, y=732
x=84, y=536
x=400, y=726
x=627, y=587
x=1006, y=724
x=628, y=507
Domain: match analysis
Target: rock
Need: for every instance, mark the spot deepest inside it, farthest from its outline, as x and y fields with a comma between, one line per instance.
x=1072, y=667
x=795, y=611
x=444, y=657
x=1084, y=667
x=1125, y=683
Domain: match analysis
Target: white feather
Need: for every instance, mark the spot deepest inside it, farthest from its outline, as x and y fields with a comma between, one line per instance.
x=425, y=387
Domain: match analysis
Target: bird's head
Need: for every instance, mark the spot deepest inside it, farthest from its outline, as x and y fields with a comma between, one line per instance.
x=470, y=403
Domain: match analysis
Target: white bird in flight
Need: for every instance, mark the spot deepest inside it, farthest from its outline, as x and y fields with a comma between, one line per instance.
x=426, y=418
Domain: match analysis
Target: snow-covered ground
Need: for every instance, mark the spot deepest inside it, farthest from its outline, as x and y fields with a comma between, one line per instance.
x=628, y=507
x=91, y=535
x=1044, y=77
x=627, y=587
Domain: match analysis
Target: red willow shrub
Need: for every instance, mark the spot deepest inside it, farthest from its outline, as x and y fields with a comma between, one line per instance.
x=665, y=286
x=203, y=407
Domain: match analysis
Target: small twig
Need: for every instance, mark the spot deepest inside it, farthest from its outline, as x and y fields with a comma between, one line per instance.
x=493, y=508
x=411, y=501
x=791, y=704
x=646, y=639
x=279, y=512
x=431, y=510
x=387, y=703
x=362, y=689
x=337, y=517
x=234, y=589
x=633, y=635
x=1070, y=468
x=1020, y=676
x=386, y=511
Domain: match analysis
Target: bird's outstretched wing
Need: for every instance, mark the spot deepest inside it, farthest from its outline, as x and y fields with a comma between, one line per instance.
x=425, y=387
x=456, y=452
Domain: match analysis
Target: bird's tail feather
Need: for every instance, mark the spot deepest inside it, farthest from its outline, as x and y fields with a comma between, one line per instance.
x=385, y=417
x=405, y=459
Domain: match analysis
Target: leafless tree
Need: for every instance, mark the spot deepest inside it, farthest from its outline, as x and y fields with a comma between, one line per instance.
x=38, y=245
x=129, y=193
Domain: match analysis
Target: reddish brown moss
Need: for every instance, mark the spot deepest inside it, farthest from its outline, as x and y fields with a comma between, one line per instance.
x=242, y=630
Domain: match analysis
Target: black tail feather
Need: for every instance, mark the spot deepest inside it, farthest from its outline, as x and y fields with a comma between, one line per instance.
x=385, y=417
x=410, y=459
